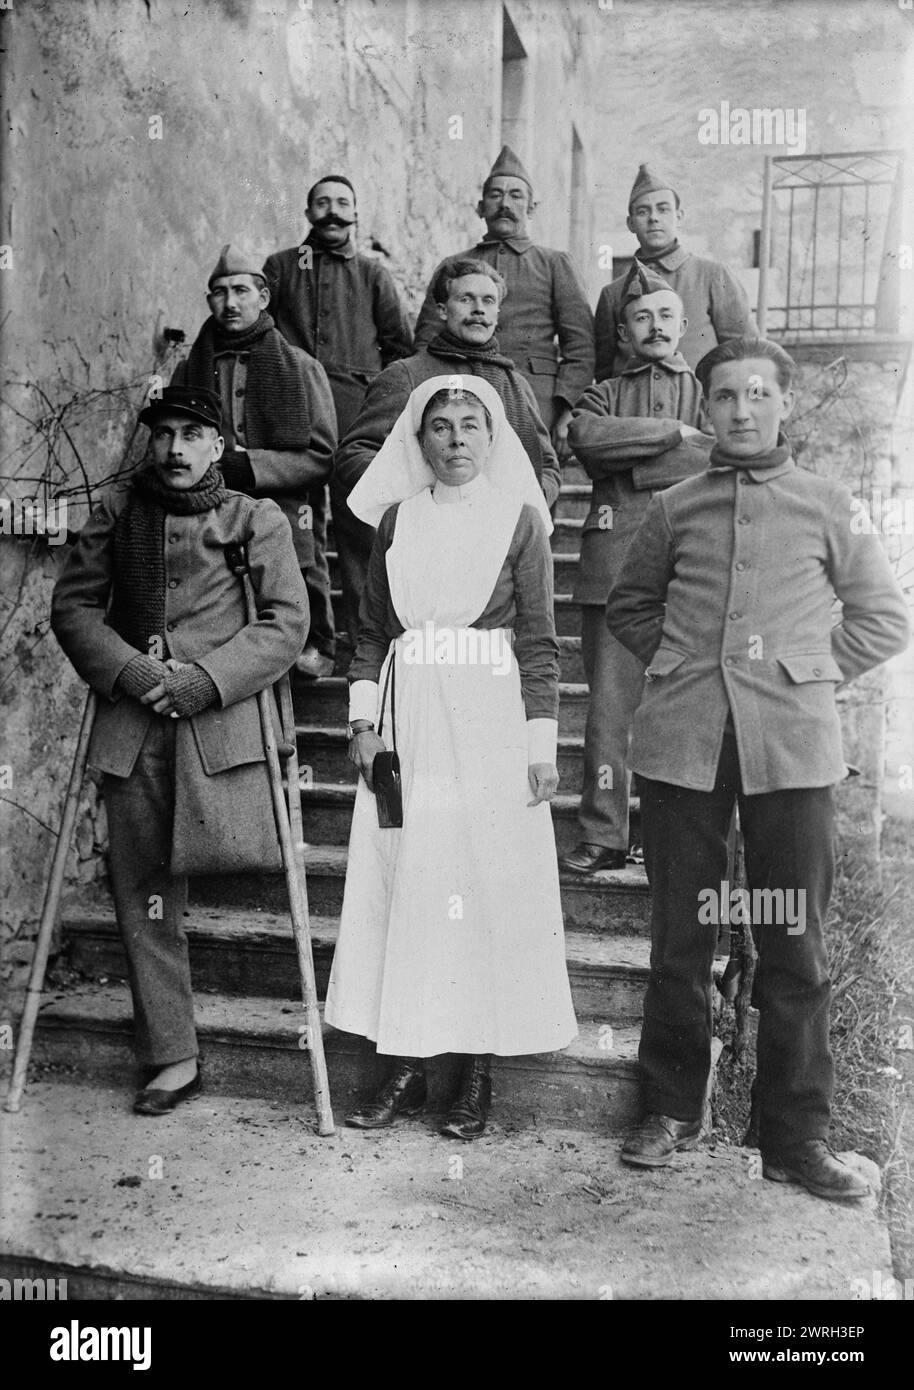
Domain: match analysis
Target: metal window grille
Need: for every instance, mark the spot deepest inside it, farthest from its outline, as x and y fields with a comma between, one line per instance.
x=830, y=244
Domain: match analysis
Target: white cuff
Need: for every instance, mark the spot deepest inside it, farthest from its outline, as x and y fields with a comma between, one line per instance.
x=542, y=740
x=363, y=701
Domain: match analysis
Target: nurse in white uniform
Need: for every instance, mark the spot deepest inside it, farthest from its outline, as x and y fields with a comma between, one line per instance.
x=451, y=935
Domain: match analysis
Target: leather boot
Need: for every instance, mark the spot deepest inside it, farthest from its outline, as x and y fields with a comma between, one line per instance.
x=469, y=1111
x=403, y=1093
x=813, y=1164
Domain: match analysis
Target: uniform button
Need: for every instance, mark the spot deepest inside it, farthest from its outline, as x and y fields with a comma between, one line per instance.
x=734, y=615
x=656, y=376
x=817, y=670
x=324, y=313
x=743, y=480
x=658, y=407
x=729, y=660
x=740, y=565
x=239, y=390
x=173, y=583
x=744, y=520
x=171, y=626
x=172, y=539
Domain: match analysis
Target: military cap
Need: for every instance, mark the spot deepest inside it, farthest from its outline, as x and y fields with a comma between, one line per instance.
x=195, y=401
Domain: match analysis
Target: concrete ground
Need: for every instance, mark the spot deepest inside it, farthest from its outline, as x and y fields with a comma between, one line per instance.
x=234, y=1197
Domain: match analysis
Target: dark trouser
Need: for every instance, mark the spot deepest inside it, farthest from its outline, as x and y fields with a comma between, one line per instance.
x=150, y=901
x=322, y=633
x=353, y=543
x=790, y=846
x=616, y=681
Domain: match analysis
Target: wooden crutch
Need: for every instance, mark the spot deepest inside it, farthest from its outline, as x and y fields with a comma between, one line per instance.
x=51, y=906
x=286, y=817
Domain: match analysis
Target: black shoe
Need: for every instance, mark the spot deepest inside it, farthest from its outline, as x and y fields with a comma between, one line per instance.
x=821, y=1172
x=587, y=859
x=403, y=1093
x=469, y=1112
x=653, y=1143
x=152, y=1101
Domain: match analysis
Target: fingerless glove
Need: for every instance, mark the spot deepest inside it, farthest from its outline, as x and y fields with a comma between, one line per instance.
x=140, y=675
x=191, y=690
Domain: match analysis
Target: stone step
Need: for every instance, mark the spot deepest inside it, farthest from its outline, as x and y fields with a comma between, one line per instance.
x=327, y=814
x=250, y=1047
x=324, y=750
x=566, y=534
x=246, y=1202
x=564, y=568
x=567, y=612
x=326, y=703
x=245, y=952
x=573, y=502
x=617, y=902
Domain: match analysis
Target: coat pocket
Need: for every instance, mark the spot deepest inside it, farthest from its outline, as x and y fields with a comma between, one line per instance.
x=819, y=666
x=230, y=737
x=543, y=366
x=664, y=661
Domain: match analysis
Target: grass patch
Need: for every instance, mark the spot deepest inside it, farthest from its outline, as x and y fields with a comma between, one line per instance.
x=872, y=971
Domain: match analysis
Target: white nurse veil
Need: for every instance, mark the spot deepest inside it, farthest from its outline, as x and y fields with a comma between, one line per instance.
x=399, y=471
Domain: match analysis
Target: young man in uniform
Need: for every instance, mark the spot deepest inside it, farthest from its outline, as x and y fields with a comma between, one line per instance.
x=715, y=302
x=727, y=595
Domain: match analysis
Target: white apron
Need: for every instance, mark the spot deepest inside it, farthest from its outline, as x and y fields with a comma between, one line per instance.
x=451, y=935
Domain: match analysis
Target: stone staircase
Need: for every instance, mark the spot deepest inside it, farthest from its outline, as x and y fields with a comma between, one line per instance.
x=243, y=957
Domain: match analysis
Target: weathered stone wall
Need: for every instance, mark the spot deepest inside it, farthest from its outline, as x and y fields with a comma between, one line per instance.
x=142, y=135
x=847, y=65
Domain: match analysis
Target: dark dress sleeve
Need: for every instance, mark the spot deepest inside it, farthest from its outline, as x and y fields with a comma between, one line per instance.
x=536, y=648
x=378, y=623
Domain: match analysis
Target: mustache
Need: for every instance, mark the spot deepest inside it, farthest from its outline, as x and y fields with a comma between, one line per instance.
x=331, y=220
x=658, y=338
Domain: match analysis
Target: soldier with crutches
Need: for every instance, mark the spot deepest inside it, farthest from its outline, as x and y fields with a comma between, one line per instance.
x=181, y=655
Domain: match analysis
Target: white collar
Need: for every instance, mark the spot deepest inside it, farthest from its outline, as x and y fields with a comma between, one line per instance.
x=446, y=495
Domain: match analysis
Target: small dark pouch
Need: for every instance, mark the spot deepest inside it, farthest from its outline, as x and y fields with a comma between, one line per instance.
x=385, y=770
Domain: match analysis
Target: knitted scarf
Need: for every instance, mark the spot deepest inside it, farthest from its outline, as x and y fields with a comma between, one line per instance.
x=138, y=591
x=774, y=457
x=653, y=257
x=499, y=371
x=277, y=407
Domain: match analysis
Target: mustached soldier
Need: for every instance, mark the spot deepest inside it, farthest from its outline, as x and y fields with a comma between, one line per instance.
x=154, y=621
